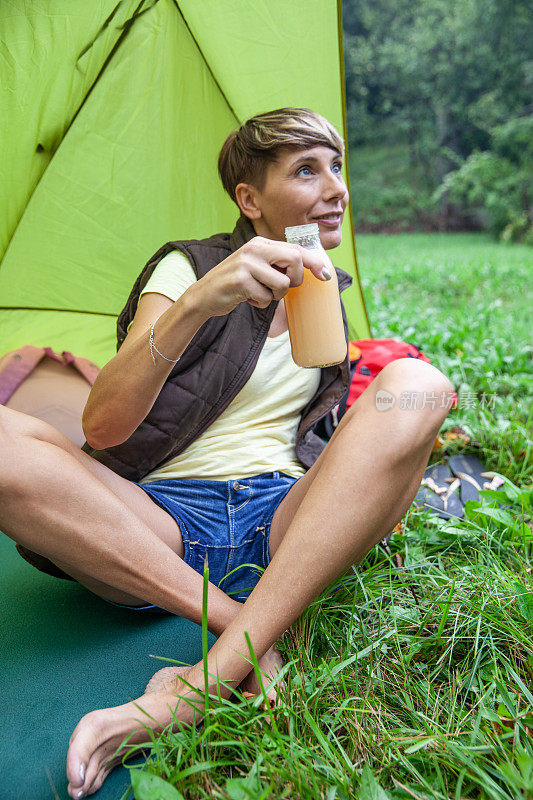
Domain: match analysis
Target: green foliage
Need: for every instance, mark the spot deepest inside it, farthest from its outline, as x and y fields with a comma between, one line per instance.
x=500, y=180
x=401, y=684
x=370, y=788
x=388, y=192
x=147, y=786
x=437, y=76
x=463, y=299
x=525, y=602
x=413, y=682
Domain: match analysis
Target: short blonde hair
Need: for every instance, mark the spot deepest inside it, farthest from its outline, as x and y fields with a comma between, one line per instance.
x=248, y=151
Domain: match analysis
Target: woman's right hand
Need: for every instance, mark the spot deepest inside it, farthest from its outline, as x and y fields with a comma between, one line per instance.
x=260, y=271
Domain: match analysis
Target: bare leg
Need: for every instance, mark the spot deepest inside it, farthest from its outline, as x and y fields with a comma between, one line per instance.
x=101, y=529
x=356, y=492
x=364, y=482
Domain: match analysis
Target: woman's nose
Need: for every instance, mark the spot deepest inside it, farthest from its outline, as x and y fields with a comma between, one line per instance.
x=333, y=186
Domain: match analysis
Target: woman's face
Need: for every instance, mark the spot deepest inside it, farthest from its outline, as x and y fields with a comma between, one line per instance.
x=301, y=187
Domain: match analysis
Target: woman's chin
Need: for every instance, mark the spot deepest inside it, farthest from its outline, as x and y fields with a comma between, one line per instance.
x=331, y=239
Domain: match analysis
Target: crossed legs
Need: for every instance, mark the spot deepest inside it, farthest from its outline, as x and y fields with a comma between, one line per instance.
x=101, y=529
x=355, y=493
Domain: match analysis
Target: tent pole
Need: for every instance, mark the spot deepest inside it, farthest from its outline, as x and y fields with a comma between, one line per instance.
x=345, y=135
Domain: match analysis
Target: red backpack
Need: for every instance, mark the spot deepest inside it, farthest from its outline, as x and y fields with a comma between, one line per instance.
x=369, y=356
x=367, y=359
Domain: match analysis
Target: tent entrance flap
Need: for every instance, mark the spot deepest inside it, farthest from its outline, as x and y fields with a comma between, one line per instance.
x=116, y=119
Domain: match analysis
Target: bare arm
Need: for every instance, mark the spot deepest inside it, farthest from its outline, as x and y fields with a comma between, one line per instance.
x=127, y=387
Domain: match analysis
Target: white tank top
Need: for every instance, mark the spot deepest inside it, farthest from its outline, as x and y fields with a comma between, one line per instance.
x=257, y=431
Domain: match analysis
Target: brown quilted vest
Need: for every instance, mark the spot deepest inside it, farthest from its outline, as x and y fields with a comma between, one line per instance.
x=212, y=370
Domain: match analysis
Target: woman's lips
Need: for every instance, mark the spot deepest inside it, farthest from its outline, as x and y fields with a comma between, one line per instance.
x=329, y=222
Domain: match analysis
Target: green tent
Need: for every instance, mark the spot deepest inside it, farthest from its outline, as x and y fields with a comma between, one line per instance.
x=113, y=114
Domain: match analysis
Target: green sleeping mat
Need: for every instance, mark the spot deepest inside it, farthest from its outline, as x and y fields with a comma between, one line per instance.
x=65, y=652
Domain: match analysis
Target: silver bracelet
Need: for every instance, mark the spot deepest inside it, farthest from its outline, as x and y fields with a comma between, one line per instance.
x=153, y=347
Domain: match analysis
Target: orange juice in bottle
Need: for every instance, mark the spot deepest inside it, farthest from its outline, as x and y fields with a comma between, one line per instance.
x=313, y=309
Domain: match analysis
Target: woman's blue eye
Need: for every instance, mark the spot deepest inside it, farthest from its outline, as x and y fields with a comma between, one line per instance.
x=336, y=168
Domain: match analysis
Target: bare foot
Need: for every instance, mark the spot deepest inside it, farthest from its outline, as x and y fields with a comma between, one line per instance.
x=164, y=679
x=270, y=665
x=98, y=734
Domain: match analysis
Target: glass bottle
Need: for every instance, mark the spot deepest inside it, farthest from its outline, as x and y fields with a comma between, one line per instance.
x=313, y=309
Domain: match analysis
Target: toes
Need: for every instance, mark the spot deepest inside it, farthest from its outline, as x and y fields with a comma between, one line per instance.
x=76, y=779
x=102, y=775
x=89, y=748
x=269, y=667
x=91, y=774
x=99, y=734
x=99, y=767
x=253, y=689
x=100, y=778
x=83, y=743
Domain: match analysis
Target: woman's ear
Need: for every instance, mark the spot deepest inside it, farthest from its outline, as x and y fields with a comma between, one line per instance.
x=246, y=197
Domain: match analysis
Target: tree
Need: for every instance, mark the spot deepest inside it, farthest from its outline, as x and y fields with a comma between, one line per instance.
x=440, y=74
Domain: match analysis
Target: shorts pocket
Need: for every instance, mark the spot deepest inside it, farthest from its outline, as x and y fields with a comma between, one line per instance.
x=217, y=559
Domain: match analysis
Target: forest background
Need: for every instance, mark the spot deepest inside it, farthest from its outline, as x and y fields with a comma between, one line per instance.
x=439, y=99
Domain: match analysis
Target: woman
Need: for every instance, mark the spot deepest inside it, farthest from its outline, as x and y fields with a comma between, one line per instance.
x=199, y=434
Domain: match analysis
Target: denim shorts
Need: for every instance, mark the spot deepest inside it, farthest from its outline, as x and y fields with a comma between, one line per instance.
x=225, y=524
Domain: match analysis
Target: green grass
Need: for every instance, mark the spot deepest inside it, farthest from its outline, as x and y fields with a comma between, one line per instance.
x=465, y=300
x=411, y=682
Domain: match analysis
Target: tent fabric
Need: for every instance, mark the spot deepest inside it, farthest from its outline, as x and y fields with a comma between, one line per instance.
x=113, y=116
